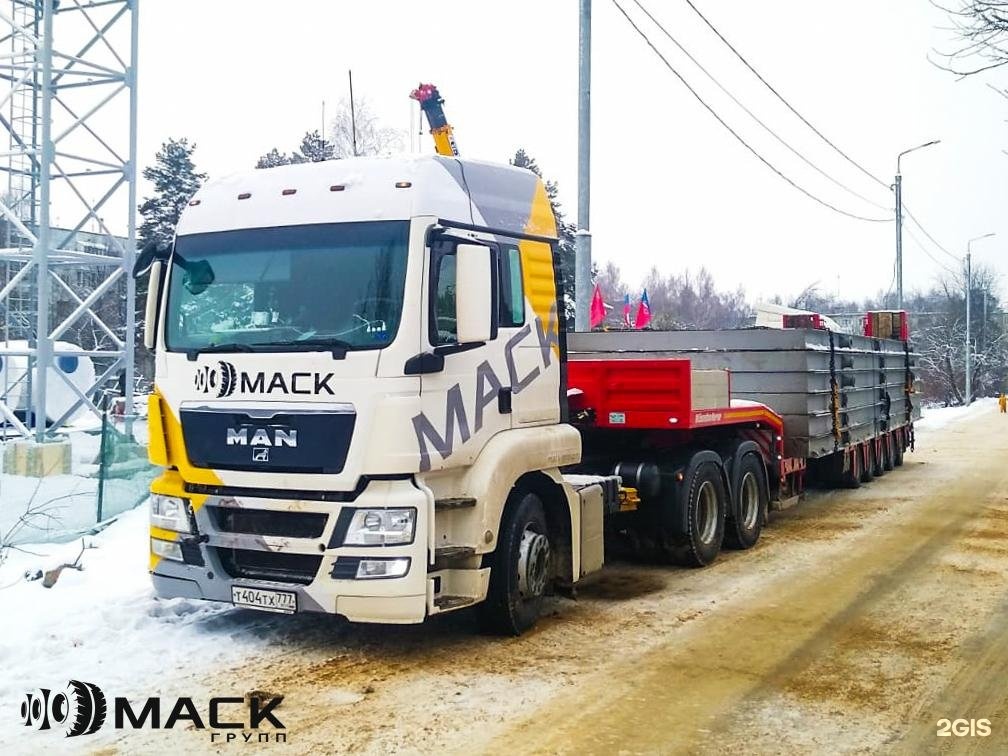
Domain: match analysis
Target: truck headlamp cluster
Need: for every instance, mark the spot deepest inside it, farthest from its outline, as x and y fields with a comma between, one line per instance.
x=170, y=513
x=381, y=527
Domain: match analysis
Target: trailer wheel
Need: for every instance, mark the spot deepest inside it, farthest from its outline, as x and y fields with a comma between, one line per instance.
x=878, y=458
x=868, y=468
x=888, y=447
x=705, y=503
x=851, y=477
x=749, y=504
x=520, y=568
x=897, y=450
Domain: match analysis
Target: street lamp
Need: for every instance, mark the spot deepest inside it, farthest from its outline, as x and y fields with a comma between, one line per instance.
x=969, y=290
x=899, y=221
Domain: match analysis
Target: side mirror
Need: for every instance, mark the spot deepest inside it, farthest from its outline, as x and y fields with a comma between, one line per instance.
x=150, y=252
x=473, y=296
x=153, y=300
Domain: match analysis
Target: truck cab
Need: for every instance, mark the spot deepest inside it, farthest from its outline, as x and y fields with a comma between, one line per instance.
x=360, y=395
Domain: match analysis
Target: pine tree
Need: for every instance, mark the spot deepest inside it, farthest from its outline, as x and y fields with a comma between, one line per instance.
x=314, y=149
x=273, y=158
x=565, y=231
x=175, y=181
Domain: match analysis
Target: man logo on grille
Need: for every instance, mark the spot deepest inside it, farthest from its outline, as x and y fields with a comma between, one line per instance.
x=78, y=710
x=223, y=379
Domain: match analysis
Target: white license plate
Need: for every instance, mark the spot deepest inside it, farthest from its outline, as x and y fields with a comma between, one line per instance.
x=269, y=601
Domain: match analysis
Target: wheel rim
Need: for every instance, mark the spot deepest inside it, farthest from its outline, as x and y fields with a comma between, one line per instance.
x=749, y=500
x=707, y=509
x=533, y=563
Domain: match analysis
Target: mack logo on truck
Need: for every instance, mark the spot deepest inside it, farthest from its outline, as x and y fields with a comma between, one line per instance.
x=224, y=380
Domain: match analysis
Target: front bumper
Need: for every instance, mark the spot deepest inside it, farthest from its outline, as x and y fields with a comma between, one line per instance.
x=294, y=546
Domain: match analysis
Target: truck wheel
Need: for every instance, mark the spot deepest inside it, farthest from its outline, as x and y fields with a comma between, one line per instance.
x=520, y=568
x=749, y=504
x=897, y=451
x=705, y=503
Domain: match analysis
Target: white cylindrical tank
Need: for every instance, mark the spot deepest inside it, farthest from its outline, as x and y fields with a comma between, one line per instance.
x=78, y=368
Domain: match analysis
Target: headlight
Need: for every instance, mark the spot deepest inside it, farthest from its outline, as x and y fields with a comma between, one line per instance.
x=381, y=527
x=166, y=549
x=170, y=513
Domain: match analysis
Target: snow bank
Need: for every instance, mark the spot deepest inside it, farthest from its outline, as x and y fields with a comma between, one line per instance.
x=101, y=624
x=936, y=418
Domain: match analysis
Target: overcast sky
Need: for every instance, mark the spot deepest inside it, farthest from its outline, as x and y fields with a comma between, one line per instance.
x=670, y=186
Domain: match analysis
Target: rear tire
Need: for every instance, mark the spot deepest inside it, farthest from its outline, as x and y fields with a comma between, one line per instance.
x=520, y=568
x=878, y=458
x=705, y=502
x=897, y=448
x=888, y=448
x=851, y=477
x=868, y=470
x=749, y=504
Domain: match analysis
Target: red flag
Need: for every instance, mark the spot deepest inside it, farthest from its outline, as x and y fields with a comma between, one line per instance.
x=643, y=312
x=597, y=308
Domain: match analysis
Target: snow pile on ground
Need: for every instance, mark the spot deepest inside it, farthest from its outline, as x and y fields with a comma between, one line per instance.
x=102, y=624
x=936, y=418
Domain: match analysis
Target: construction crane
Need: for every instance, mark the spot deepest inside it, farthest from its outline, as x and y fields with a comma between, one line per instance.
x=430, y=103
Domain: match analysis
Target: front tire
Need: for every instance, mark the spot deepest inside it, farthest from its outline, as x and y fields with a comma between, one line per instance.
x=520, y=568
x=749, y=504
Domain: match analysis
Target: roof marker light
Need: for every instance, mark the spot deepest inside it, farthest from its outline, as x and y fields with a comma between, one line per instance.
x=244, y=195
x=337, y=188
x=403, y=184
x=194, y=202
x=288, y=192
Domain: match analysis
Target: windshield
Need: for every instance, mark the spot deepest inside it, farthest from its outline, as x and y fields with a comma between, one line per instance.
x=339, y=283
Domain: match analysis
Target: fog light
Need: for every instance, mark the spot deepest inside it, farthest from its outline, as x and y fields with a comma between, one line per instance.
x=166, y=549
x=382, y=568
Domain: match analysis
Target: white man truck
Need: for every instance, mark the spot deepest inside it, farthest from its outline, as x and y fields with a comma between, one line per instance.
x=364, y=405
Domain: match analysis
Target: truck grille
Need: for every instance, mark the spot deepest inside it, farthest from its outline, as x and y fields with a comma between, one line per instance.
x=268, y=522
x=270, y=565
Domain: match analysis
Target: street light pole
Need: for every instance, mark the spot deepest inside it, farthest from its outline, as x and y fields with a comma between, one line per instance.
x=582, y=240
x=898, y=186
x=968, y=393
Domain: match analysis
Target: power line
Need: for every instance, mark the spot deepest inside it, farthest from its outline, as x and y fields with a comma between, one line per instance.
x=906, y=212
x=787, y=104
x=752, y=115
x=923, y=249
x=734, y=133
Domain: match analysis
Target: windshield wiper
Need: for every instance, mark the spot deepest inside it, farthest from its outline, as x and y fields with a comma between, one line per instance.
x=192, y=354
x=338, y=347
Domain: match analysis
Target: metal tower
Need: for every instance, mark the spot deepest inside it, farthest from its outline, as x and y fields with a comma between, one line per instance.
x=70, y=115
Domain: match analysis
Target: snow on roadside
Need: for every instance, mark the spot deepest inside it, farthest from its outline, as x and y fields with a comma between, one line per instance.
x=103, y=624
x=936, y=418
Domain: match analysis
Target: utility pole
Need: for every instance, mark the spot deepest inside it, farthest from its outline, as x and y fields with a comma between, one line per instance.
x=968, y=395
x=899, y=238
x=582, y=240
x=898, y=186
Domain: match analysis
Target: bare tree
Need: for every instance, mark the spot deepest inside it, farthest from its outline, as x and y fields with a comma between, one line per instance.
x=361, y=132
x=981, y=33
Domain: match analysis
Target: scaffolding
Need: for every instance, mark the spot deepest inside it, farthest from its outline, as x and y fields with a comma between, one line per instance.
x=70, y=114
